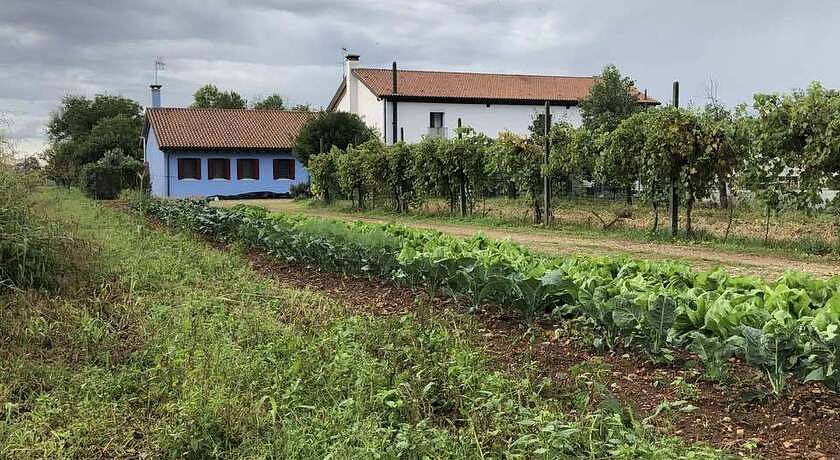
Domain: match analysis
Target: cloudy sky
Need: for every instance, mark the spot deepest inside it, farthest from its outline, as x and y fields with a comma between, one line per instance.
x=49, y=48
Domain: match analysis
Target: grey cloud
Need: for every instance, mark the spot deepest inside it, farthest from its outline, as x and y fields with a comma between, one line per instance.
x=293, y=47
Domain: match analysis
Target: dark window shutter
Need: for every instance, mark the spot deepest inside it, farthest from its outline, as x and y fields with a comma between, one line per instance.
x=291, y=164
x=276, y=166
x=227, y=169
x=256, y=164
x=180, y=168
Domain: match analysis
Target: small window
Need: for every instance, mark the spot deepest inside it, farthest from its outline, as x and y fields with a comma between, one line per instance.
x=435, y=119
x=284, y=168
x=218, y=168
x=189, y=168
x=247, y=168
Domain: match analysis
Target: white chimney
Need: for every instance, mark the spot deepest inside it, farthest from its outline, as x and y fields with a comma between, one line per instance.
x=351, y=61
x=155, y=95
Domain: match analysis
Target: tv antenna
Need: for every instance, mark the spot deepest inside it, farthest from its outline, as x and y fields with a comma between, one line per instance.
x=159, y=65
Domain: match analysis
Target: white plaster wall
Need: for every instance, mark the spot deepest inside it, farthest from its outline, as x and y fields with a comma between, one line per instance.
x=491, y=119
x=371, y=109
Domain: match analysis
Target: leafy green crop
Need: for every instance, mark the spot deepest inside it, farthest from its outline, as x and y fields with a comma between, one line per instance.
x=782, y=327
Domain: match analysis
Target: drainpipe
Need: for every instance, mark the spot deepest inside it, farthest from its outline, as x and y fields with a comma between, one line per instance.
x=394, y=103
x=168, y=179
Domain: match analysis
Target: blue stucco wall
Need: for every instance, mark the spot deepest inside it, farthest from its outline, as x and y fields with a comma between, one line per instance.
x=185, y=188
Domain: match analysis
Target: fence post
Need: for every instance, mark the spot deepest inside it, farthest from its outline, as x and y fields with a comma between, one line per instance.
x=546, y=179
x=463, y=179
x=674, y=199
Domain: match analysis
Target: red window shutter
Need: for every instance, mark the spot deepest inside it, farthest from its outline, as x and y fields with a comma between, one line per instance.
x=239, y=164
x=277, y=168
x=227, y=169
x=256, y=164
x=180, y=168
x=291, y=164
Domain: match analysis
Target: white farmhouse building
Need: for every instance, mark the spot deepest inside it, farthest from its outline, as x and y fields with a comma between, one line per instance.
x=409, y=104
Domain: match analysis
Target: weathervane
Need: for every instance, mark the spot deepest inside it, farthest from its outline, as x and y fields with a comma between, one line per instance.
x=159, y=65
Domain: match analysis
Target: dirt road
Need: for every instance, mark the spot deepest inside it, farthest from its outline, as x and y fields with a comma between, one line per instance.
x=554, y=242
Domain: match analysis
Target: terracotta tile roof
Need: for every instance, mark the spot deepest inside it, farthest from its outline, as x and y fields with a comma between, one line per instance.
x=190, y=128
x=417, y=84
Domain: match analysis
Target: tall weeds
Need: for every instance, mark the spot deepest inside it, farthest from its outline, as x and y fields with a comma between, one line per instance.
x=34, y=253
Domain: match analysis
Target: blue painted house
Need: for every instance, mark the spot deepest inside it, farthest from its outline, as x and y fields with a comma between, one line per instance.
x=221, y=152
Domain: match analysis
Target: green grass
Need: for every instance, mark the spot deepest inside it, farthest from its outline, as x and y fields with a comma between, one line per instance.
x=168, y=348
x=806, y=247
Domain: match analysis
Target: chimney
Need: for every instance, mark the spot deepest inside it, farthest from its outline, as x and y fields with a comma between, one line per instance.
x=351, y=61
x=155, y=95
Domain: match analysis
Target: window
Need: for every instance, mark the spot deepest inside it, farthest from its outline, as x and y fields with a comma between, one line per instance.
x=247, y=168
x=284, y=168
x=435, y=119
x=218, y=168
x=189, y=168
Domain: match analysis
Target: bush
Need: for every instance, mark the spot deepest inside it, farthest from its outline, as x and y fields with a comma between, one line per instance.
x=300, y=190
x=323, y=171
x=106, y=178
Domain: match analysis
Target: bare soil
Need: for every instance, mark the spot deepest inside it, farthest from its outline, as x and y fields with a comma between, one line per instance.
x=804, y=423
x=553, y=243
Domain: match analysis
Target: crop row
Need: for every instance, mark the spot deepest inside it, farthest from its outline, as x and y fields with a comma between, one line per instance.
x=785, y=327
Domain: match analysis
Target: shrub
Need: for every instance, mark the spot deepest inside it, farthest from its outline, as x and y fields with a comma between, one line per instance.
x=106, y=178
x=300, y=190
x=323, y=172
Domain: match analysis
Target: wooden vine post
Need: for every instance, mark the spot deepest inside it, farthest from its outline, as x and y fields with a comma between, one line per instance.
x=462, y=179
x=546, y=179
x=673, y=197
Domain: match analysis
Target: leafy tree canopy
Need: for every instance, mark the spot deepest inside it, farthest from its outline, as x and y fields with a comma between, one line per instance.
x=275, y=102
x=209, y=96
x=77, y=115
x=334, y=129
x=611, y=99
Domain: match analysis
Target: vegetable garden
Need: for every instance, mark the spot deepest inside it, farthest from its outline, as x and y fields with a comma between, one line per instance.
x=787, y=327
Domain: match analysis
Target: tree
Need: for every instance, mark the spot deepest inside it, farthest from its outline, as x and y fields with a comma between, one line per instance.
x=357, y=170
x=301, y=108
x=398, y=176
x=521, y=160
x=323, y=172
x=273, y=102
x=620, y=159
x=209, y=96
x=611, y=99
x=671, y=154
x=83, y=129
x=330, y=129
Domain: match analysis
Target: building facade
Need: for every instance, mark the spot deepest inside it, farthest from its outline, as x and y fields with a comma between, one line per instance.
x=222, y=152
x=409, y=104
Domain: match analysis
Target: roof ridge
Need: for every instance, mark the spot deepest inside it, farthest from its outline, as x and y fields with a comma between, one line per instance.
x=222, y=109
x=461, y=72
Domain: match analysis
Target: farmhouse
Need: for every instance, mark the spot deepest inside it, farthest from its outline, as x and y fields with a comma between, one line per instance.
x=409, y=104
x=221, y=152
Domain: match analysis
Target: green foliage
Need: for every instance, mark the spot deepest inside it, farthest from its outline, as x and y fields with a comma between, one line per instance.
x=107, y=177
x=519, y=160
x=359, y=169
x=209, y=97
x=180, y=350
x=323, y=172
x=83, y=129
x=34, y=253
x=620, y=160
x=328, y=130
x=653, y=306
x=398, y=175
x=798, y=132
x=272, y=102
x=611, y=99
